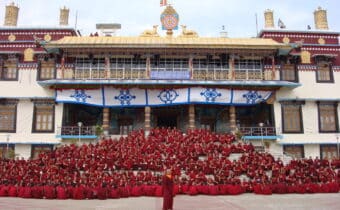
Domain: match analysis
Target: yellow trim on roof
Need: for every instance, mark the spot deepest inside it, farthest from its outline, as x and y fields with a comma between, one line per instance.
x=164, y=42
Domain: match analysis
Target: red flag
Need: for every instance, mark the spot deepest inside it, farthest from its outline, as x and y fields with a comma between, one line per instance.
x=163, y=3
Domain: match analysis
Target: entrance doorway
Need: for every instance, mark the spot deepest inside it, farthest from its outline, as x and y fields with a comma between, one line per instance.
x=167, y=116
x=167, y=121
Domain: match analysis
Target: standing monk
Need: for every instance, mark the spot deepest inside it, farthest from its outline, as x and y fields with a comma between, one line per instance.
x=168, y=185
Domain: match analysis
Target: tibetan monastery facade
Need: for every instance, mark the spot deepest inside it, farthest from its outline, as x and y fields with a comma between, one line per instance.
x=278, y=91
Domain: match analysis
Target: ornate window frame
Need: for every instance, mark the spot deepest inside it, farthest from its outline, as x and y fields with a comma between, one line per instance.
x=335, y=114
x=39, y=104
x=13, y=103
x=298, y=104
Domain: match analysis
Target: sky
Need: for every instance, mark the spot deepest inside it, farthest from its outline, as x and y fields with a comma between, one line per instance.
x=206, y=17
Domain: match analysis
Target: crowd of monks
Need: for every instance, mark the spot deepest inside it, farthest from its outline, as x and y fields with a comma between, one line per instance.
x=133, y=166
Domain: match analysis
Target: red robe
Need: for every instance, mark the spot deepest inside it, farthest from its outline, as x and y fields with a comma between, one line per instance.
x=49, y=192
x=61, y=192
x=114, y=193
x=102, y=193
x=168, y=185
x=12, y=192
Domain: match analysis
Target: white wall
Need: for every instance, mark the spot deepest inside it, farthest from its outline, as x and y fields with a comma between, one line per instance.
x=23, y=150
x=311, y=92
x=312, y=151
x=311, y=89
x=26, y=86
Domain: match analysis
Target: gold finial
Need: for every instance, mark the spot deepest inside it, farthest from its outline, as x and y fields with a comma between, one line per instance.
x=11, y=16
x=320, y=19
x=64, y=14
x=269, y=18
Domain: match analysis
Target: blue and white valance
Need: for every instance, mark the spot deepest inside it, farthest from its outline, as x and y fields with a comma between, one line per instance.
x=120, y=97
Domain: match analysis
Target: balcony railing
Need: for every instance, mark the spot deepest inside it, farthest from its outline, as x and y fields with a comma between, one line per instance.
x=175, y=73
x=76, y=131
x=258, y=131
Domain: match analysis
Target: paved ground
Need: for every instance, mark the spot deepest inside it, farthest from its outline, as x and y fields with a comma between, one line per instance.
x=241, y=202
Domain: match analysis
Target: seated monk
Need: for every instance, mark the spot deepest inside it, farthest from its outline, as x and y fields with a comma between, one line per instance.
x=61, y=192
x=12, y=191
x=102, y=192
x=114, y=193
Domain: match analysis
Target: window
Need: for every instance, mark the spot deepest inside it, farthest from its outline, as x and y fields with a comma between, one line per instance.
x=295, y=151
x=292, y=117
x=289, y=73
x=46, y=70
x=324, y=72
x=328, y=117
x=8, y=112
x=38, y=149
x=328, y=151
x=43, y=120
x=9, y=70
x=7, y=151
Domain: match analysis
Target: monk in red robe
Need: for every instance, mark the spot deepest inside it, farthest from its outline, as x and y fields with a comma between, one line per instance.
x=168, y=185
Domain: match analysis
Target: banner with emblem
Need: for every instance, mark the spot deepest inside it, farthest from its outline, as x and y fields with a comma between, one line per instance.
x=132, y=97
x=80, y=96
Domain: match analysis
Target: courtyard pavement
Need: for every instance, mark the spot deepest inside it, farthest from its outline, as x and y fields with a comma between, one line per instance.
x=184, y=202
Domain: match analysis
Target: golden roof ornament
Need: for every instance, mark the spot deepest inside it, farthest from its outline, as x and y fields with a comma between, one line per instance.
x=269, y=18
x=64, y=15
x=188, y=33
x=286, y=40
x=11, y=15
x=11, y=38
x=150, y=32
x=320, y=19
x=321, y=41
x=169, y=20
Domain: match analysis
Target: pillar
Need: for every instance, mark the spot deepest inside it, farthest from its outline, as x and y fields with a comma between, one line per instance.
x=62, y=65
x=191, y=117
x=106, y=121
x=232, y=117
x=148, y=66
x=191, y=66
x=273, y=68
x=107, y=67
x=147, y=120
x=232, y=75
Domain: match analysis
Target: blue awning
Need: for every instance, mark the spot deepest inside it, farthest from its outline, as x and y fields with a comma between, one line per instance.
x=262, y=137
x=228, y=83
x=76, y=136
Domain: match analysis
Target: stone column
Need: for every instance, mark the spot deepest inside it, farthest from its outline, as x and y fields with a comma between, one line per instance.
x=191, y=66
x=273, y=68
x=62, y=65
x=106, y=120
x=232, y=75
x=148, y=67
x=147, y=121
x=191, y=117
x=107, y=67
x=232, y=117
